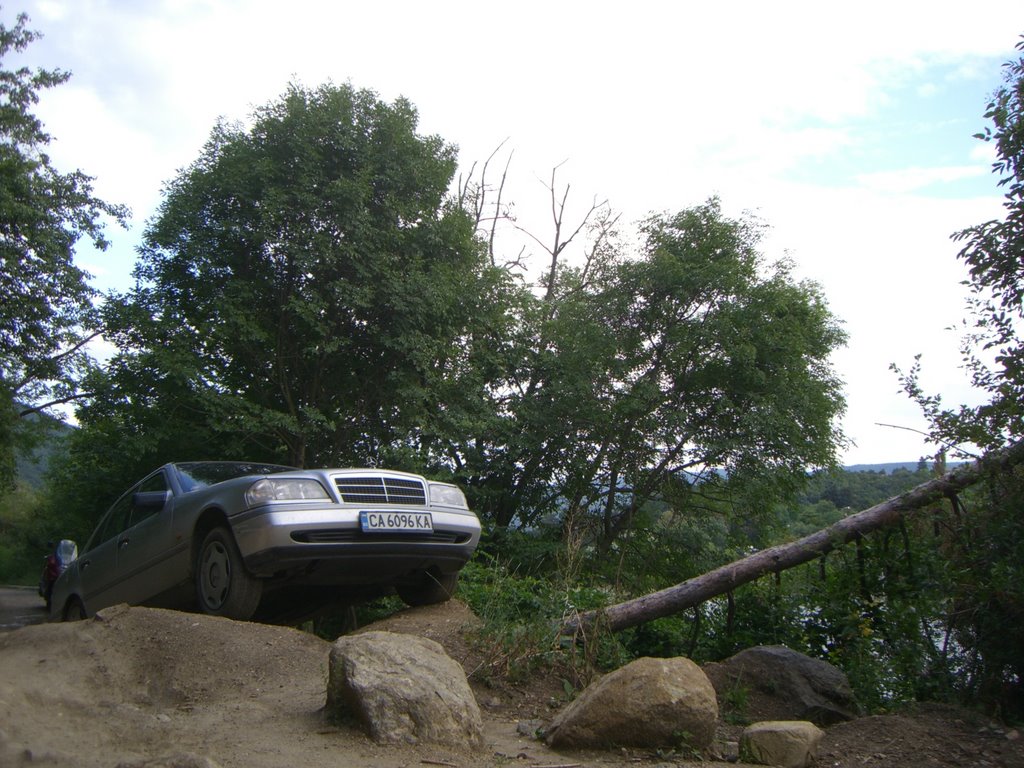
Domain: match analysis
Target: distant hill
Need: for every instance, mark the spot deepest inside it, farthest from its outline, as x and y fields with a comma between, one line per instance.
x=893, y=466
x=32, y=464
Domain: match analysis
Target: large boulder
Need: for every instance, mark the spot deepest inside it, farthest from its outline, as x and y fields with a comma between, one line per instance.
x=789, y=743
x=402, y=689
x=777, y=683
x=647, y=703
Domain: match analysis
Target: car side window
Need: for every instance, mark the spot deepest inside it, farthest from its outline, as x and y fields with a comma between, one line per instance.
x=155, y=482
x=115, y=522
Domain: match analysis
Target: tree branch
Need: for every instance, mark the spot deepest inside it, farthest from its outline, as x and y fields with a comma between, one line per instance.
x=31, y=375
x=61, y=401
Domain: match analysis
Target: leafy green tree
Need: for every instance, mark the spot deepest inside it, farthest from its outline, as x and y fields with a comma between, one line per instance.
x=45, y=300
x=305, y=293
x=20, y=550
x=993, y=254
x=981, y=536
x=636, y=374
x=992, y=351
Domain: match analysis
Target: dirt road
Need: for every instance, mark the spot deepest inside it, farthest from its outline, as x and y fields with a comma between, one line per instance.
x=20, y=606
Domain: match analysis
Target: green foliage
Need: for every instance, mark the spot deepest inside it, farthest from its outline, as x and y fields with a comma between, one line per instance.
x=662, y=638
x=532, y=553
x=903, y=619
x=981, y=540
x=25, y=530
x=45, y=300
x=520, y=617
x=735, y=702
x=97, y=466
x=522, y=614
x=502, y=598
x=865, y=619
x=669, y=543
x=761, y=613
x=304, y=292
x=831, y=494
x=633, y=374
x=855, y=491
x=992, y=253
x=992, y=351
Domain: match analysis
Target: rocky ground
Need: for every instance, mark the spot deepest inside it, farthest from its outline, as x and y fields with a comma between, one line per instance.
x=138, y=684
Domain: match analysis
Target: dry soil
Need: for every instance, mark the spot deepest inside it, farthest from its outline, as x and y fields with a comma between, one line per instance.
x=137, y=685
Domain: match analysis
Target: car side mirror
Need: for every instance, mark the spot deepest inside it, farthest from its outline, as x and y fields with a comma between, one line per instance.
x=150, y=500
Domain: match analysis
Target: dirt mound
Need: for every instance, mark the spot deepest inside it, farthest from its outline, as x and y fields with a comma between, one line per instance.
x=139, y=683
x=925, y=736
x=451, y=624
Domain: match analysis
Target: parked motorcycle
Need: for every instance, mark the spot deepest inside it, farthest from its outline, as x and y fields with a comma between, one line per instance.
x=54, y=565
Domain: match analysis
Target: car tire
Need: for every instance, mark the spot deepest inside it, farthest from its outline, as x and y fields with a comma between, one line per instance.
x=74, y=610
x=223, y=586
x=431, y=589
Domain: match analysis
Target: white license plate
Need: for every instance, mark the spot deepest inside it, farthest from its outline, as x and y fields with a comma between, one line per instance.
x=406, y=522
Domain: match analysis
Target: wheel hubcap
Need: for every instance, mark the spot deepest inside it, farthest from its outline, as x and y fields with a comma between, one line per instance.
x=215, y=575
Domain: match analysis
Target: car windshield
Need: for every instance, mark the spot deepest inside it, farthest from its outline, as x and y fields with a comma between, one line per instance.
x=199, y=474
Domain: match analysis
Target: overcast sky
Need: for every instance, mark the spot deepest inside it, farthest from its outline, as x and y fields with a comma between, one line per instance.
x=847, y=128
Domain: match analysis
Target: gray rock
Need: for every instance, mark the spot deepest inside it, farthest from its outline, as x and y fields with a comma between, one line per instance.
x=790, y=744
x=788, y=685
x=648, y=703
x=402, y=689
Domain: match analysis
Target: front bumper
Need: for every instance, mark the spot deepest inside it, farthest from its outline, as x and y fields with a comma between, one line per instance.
x=324, y=544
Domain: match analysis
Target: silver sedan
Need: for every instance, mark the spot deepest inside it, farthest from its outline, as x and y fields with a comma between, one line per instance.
x=225, y=537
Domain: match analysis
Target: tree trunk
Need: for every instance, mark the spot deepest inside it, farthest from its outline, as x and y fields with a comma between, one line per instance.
x=775, y=559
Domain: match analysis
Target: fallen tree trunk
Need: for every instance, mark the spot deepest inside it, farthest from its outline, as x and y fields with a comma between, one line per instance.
x=726, y=578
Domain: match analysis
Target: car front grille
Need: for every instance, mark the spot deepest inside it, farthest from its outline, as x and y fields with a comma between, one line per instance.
x=381, y=490
x=350, y=535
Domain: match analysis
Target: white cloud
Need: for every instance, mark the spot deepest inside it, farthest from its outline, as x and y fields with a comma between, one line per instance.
x=912, y=179
x=984, y=152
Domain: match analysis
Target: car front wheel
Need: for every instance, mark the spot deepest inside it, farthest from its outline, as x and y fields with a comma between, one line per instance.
x=430, y=589
x=223, y=586
x=74, y=610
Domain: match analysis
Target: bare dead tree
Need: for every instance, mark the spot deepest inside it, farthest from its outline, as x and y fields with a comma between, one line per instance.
x=559, y=241
x=474, y=197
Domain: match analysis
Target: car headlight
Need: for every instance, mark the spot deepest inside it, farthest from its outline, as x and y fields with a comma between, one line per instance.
x=283, y=489
x=447, y=495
